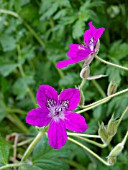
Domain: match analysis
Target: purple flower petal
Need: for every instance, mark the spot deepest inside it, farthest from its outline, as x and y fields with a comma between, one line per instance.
x=78, y=52
x=38, y=117
x=92, y=33
x=65, y=63
x=44, y=93
x=57, y=134
x=72, y=96
x=98, y=33
x=75, y=122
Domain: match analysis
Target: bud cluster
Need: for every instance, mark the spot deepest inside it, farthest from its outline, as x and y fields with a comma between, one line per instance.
x=112, y=88
x=108, y=132
x=116, y=151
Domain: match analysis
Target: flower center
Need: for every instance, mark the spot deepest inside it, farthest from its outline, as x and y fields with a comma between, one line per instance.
x=57, y=110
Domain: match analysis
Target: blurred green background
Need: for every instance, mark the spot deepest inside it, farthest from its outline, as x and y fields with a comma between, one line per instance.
x=32, y=41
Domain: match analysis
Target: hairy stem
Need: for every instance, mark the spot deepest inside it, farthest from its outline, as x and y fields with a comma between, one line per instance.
x=14, y=14
x=81, y=134
x=111, y=64
x=32, y=145
x=14, y=119
x=120, y=119
x=90, y=151
x=101, y=145
x=99, y=88
x=95, y=104
x=82, y=83
x=13, y=110
x=11, y=166
x=25, y=142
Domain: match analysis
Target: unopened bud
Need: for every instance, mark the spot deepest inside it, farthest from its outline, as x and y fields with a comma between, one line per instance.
x=103, y=133
x=112, y=126
x=81, y=103
x=85, y=72
x=116, y=150
x=111, y=88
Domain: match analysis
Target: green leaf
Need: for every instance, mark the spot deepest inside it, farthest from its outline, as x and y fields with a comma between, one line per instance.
x=114, y=74
x=27, y=53
x=118, y=50
x=78, y=29
x=6, y=69
x=47, y=158
x=20, y=87
x=3, y=111
x=4, y=151
x=69, y=79
x=8, y=42
x=29, y=167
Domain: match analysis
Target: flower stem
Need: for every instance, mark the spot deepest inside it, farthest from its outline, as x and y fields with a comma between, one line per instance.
x=11, y=165
x=25, y=142
x=34, y=34
x=80, y=134
x=95, y=104
x=82, y=83
x=60, y=72
x=14, y=14
x=16, y=111
x=14, y=119
x=90, y=151
x=111, y=64
x=99, y=88
x=31, y=146
x=120, y=119
x=23, y=75
x=103, y=145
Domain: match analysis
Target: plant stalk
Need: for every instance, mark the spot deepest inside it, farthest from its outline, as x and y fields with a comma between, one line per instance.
x=31, y=146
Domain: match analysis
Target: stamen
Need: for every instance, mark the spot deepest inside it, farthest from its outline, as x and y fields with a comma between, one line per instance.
x=65, y=103
x=51, y=103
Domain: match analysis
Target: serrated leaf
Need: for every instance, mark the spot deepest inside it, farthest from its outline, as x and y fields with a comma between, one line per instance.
x=29, y=167
x=20, y=87
x=27, y=53
x=8, y=42
x=4, y=151
x=6, y=69
x=114, y=74
x=118, y=50
x=69, y=79
x=78, y=29
x=47, y=158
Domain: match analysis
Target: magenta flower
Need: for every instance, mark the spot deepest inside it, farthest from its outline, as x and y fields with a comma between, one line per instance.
x=57, y=112
x=80, y=52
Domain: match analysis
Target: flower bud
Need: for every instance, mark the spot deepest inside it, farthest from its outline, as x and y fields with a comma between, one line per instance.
x=103, y=133
x=81, y=103
x=116, y=150
x=112, y=126
x=111, y=88
x=85, y=72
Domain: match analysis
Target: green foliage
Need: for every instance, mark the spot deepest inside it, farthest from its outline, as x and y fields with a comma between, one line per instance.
x=4, y=151
x=30, y=47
